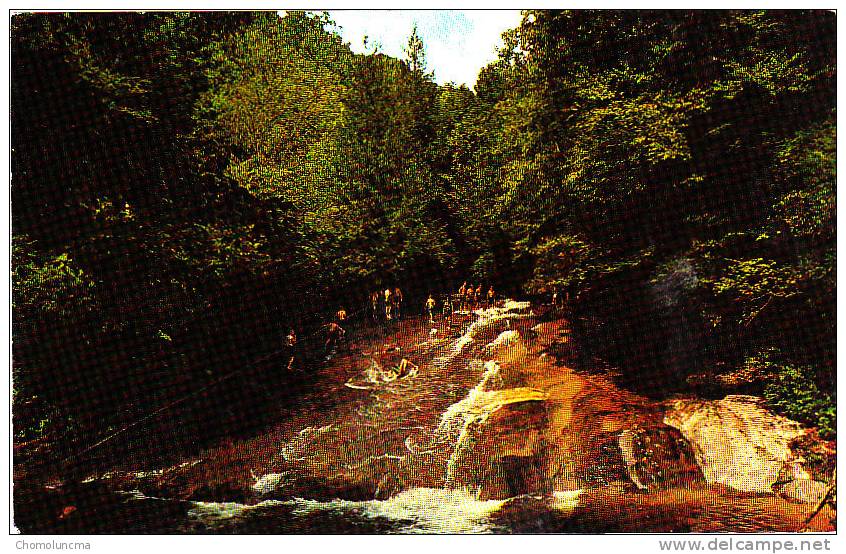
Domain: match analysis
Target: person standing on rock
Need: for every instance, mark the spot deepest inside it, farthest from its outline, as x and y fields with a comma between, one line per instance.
x=334, y=333
x=430, y=308
x=461, y=292
x=447, y=306
x=491, y=296
x=388, y=303
x=374, y=305
x=397, y=297
x=480, y=297
x=291, y=344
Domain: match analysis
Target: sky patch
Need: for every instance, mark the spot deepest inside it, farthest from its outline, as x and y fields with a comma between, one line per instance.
x=458, y=43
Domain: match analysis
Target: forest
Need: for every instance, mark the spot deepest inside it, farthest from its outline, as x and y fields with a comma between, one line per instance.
x=188, y=186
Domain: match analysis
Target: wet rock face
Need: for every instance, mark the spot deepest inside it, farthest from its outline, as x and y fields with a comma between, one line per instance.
x=664, y=458
x=609, y=462
x=737, y=441
x=502, y=454
x=819, y=455
x=650, y=458
x=512, y=476
x=521, y=456
x=490, y=436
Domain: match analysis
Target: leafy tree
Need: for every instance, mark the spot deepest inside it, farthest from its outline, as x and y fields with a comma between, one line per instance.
x=415, y=53
x=658, y=141
x=184, y=184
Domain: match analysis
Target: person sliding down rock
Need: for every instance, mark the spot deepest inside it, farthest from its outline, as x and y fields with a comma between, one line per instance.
x=405, y=367
x=387, y=358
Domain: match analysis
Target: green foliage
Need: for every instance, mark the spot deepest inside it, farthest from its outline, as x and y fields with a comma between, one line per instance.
x=561, y=262
x=793, y=392
x=673, y=171
x=46, y=285
x=274, y=103
x=415, y=53
x=806, y=168
x=647, y=139
x=755, y=283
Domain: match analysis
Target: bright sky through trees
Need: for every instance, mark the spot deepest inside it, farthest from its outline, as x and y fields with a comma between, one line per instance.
x=458, y=42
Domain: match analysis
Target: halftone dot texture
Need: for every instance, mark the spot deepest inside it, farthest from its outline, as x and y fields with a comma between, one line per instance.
x=188, y=188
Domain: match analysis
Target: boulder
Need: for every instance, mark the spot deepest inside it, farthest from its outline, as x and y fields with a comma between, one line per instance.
x=737, y=441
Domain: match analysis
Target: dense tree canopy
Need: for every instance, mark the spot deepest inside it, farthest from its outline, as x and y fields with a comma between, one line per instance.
x=186, y=184
x=659, y=178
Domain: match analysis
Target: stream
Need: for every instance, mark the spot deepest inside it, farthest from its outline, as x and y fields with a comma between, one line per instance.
x=484, y=432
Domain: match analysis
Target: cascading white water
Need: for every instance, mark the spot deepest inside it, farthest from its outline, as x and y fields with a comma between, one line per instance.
x=457, y=411
x=462, y=416
x=459, y=420
x=462, y=452
x=298, y=447
x=504, y=340
x=417, y=510
x=487, y=318
x=452, y=436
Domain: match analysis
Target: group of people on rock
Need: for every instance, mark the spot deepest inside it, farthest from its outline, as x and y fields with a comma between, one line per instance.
x=387, y=304
x=334, y=334
x=472, y=298
x=468, y=298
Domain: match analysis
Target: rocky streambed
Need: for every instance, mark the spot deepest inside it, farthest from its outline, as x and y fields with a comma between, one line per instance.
x=489, y=433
